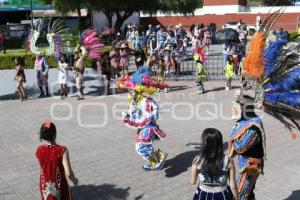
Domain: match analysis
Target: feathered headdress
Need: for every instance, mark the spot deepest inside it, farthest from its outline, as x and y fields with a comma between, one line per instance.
x=276, y=72
x=141, y=81
x=56, y=33
x=90, y=44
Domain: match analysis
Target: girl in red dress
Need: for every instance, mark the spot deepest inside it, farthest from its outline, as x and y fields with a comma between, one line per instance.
x=55, y=166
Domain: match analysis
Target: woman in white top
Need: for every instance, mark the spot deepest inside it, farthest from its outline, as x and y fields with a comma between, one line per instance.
x=216, y=171
x=63, y=75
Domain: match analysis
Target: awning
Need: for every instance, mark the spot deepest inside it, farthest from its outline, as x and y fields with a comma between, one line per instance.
x=53, y=13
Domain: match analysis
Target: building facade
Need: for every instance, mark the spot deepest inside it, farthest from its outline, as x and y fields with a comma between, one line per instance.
x=223, y=11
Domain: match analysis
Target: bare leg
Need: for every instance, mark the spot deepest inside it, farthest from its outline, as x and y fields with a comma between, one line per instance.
x=19, y=90
x=23, y=92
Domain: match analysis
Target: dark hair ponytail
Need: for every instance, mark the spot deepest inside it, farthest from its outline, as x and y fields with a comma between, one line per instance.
x=48, y=131
x=213, y=152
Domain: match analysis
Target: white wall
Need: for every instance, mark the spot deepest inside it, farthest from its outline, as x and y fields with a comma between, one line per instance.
x=100, y=21
x=231, y=9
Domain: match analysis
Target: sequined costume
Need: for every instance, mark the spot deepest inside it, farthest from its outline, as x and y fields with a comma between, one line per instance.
x=142, y=114
x=275, y=75
x=247, y=139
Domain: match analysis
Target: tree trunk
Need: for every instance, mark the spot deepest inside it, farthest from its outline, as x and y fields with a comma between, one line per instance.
x=121, y=19
x=79, y=17
x=109, y=16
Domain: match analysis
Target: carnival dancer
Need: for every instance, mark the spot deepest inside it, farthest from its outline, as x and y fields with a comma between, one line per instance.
x=42, y=68
x=247, y=140
x=88, y=46
x=79, y=73
x=55, y=34
x=124, y=60
x=142, y=114
x=275, y=77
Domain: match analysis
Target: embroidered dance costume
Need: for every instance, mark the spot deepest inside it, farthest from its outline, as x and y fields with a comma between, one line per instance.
x=247, y=139
x=53, y=182
x=275, y=77
x=143, y=114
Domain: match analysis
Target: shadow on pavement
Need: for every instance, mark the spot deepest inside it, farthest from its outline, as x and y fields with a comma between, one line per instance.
x=139, y=197
x=100, y=192
x=178, y=88
x=30, y=91
x=294, y=196
x=180, y=163
x=221, y=88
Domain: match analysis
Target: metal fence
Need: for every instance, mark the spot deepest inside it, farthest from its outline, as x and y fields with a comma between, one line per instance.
x=214, y=69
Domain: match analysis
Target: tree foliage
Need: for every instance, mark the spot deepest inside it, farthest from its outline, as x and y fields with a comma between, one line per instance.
x=124, y=9
x=65, y=6
x=278, y=2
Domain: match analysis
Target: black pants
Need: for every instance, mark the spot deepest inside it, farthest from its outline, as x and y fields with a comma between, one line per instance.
x=2, y=48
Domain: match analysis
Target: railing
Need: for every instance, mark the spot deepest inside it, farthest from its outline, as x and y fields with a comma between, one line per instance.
x=214, y=69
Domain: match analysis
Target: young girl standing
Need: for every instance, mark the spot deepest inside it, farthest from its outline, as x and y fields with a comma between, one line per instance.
x=201, y=74
x=20, y=77
x=114, y=61
x=54, y=165
x=63, y=76
x=161, y=69
x=124, y=61
x=229, y=71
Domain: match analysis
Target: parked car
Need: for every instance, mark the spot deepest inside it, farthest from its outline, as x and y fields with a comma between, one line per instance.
x=234, y=25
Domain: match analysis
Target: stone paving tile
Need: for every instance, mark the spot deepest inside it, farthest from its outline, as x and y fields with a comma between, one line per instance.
x=104, y=158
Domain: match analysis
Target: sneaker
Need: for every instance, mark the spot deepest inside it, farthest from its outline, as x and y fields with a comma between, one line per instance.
x=166, y=90
x=41, y=95
x=147, y=167
x=199, y=92
x=162, y=158
x=227, y=88
x=80, y=98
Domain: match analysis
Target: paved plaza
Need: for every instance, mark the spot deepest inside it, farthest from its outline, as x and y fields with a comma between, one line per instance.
x=102, y=147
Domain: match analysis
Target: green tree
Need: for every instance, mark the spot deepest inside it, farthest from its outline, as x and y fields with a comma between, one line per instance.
x=65, y=6
x=278, y=2
x=124, y=9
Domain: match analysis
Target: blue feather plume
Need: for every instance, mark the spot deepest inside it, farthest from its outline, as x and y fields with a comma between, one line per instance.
x=272, y=55
x=288, y=98
x=289, y=82
x=137, y=77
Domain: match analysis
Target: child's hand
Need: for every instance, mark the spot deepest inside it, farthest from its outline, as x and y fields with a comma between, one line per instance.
x=75, y=181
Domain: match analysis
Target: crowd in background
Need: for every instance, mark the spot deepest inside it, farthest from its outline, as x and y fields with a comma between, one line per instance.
x=166, y=47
